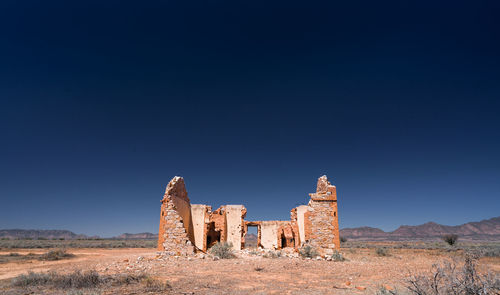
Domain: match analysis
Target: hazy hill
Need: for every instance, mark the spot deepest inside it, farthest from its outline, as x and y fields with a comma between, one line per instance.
x=139, y=236
x=483, y=230
x=65, y=234
x=39, y=234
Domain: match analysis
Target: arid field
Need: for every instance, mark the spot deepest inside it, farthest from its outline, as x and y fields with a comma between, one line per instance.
x=366, y=270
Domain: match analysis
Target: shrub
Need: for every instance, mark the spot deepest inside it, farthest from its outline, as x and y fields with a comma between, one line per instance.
x=222, y=250
x=127, y=279
x=447, y=278
x=343, y=239
x=13, y=254
x=272, y=254
x=450, y=239
x=382, y=251
x=32, y=279
x=337, y=256
x=55, y=255
x=307, y=251
x=154, y=285
x=78, y=280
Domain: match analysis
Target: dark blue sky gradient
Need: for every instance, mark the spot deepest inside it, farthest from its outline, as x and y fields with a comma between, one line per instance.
x=103, y=102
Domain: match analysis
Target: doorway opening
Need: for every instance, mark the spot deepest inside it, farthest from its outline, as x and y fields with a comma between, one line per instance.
x=252, y=237
x=213, y=236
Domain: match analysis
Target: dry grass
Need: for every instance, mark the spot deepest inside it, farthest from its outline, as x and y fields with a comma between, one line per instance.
x=79, y=279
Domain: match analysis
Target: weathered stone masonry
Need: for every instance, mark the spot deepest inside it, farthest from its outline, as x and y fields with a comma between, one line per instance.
x=186, y=228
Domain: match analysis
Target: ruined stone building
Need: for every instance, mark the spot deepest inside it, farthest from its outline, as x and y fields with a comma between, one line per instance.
x=187, y=228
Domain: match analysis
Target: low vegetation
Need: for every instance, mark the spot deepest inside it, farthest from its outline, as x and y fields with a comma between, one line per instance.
x=222, y=250
x=448, y=278
x=307, y=251
x=75, y=280
x=337, y=256
x=89, y=280
x=88, y=243
x=55, y=255
x=11, y=257
x=491, y=249
x=155, y=285
x=272, y=254
x=382, y=252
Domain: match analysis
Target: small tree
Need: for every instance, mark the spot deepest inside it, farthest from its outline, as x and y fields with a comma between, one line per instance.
x=451, y=239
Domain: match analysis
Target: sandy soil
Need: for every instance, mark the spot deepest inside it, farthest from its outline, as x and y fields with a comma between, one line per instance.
x=249, y=274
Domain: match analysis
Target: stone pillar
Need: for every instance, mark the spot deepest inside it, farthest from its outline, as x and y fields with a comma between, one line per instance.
x=321, y=219
x=176, y=236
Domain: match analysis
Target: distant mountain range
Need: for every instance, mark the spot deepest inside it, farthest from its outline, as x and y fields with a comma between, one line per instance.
x=140, y=236
x=486, y=230
x=40, y=234
x=65, y=234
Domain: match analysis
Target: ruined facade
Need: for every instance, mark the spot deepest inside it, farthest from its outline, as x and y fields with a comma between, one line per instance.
x=186, y=228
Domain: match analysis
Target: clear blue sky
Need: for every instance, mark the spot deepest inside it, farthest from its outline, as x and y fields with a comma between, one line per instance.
x=102, y=103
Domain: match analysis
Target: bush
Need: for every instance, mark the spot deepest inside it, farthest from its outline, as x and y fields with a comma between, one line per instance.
x=272, y=254
x=382, y=252
x=126, y=279
x=343, y=239
x=447, y=278
x=32, y=279
x=55, y=255
x=337, y=256
x=78, y=280
x=307, y=251
x=222, y=250
x=450, y=239
x=154, y=285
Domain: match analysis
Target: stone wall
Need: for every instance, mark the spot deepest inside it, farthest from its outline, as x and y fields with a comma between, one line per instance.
x=176, y=228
